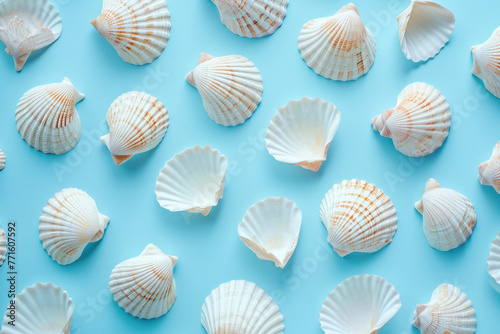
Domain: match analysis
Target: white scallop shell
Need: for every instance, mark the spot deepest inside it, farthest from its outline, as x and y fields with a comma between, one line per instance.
x=489, y=171
x=26, y=26
x=449, y=311
x=230, y=87
x=68, y=223
x=487, y=63
x=339, y=47
x=3, y=246
x=301, y=132
x=144, y=286
x=42, y=309
x=358, y=217
x=241, y=307
x=137, y=123
x=449, y=217
x=47, y=119
x=494, y=259
x=359, y=305
x=138, y=29
x=192, y=181
x=3, y=160
x=420, y=122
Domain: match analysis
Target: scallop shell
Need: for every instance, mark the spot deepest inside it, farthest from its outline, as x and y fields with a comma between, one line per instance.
x=252, y=18
x=41, y=308
x=138, y=29
x=192, y=181
x=359, y=217
x=144, y=286
x=230, y=87
x=68, y=223
x=420, y=122
x=449, y=217
x=301, y=132
x=489, y=171
x=494, y=259
x=3, y=160
x=360, y=304
x=27, y=26
x=339, y=47
x=449, y=311
x=487, y=63
x=3, y=246
x=241, y=307
x=137, y=123
x=271, y=229
x=47, y=119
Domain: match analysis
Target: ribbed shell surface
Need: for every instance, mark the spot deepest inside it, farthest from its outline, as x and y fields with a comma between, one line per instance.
x=489, y=172
x=3, y=160
x=3, y=246
x=487, y=63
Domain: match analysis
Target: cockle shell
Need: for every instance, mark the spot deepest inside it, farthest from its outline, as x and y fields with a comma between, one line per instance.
x=420, y=122
x=487, y=63
x=68, y=223
x=144, y=286
x=359, y=305
x=301, y=132
x=358, y=217
x=138, y=30
x=3, y=160
x=339, y=47
x=489, y=171
x=137, y=123
x=494, y=259
x=449, y=311
x=449, y=217
x=26, y=26
x=3, y=246
x=230, y=87
x=47, y=119
x=241, y=307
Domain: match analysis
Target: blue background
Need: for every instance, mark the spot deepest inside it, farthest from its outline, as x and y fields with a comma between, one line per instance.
x=209, y=249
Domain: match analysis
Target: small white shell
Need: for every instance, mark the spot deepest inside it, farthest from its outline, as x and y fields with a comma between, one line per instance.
x=494, y=259
x=487, y=63
x=3, y=160
x=489, y=171
x=3, y=246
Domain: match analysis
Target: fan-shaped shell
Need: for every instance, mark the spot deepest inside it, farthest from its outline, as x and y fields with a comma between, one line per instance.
x=301, y=132
x=487, y=63
x=359, y=305
x=144, y=286
x=359, y=217
x=338, y=47
x=420, y=122
x=3, y=246
x=138, y=30
x=68, y=223
x=449, y=217
x=449, y=311
x=241, y=307
x=494, y=259
x=3, y=160
x=489, y=171
x=230, y=87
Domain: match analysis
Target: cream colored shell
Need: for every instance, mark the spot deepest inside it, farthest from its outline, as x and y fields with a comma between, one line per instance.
x=487, y=63
x=489, y=171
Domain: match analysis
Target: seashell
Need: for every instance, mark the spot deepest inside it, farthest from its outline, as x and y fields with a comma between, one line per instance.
x=41, y=308
x=192, y=181
x=138, y=29
x=339, y=47
x=487, y=63
x=359, y=217
x=271, y=229
x=449, y=311
x=47, y=119
x=3, y=246
x=68, y=223
x=493, y=259
x=489, y=171
x=27, y=26
x=252, y=18
x=424, y=29
x=241, y=307
x=3, y=160
x=230, y=87
x=449, y=217
x=420, y=122
x=360, y=304
x=137, y=123
x=144, y=286
x=301, y=132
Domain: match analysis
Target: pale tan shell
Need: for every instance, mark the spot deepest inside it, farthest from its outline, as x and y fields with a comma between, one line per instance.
x=489, y=171
x=487, y=63
x=3, y=246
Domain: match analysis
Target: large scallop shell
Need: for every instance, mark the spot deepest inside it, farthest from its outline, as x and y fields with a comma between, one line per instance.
x=138, y=30
x=494, y=259
x=359, y=305
x=3, y=246
x=68, y=223
x=487, y=63
x=144, y=286
x=489, y=171
x=420, y=122
x=301, y=132
x=241, y=307
x=230, y=87
x=339, y=47
x=3, y=160
x=26, y=26
x=359, y=217
x=449, y=217
x=137, y=123
x=449, y=311
x=47, y=119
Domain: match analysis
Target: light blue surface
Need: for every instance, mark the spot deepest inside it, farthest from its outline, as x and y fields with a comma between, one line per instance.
x=209, y=249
